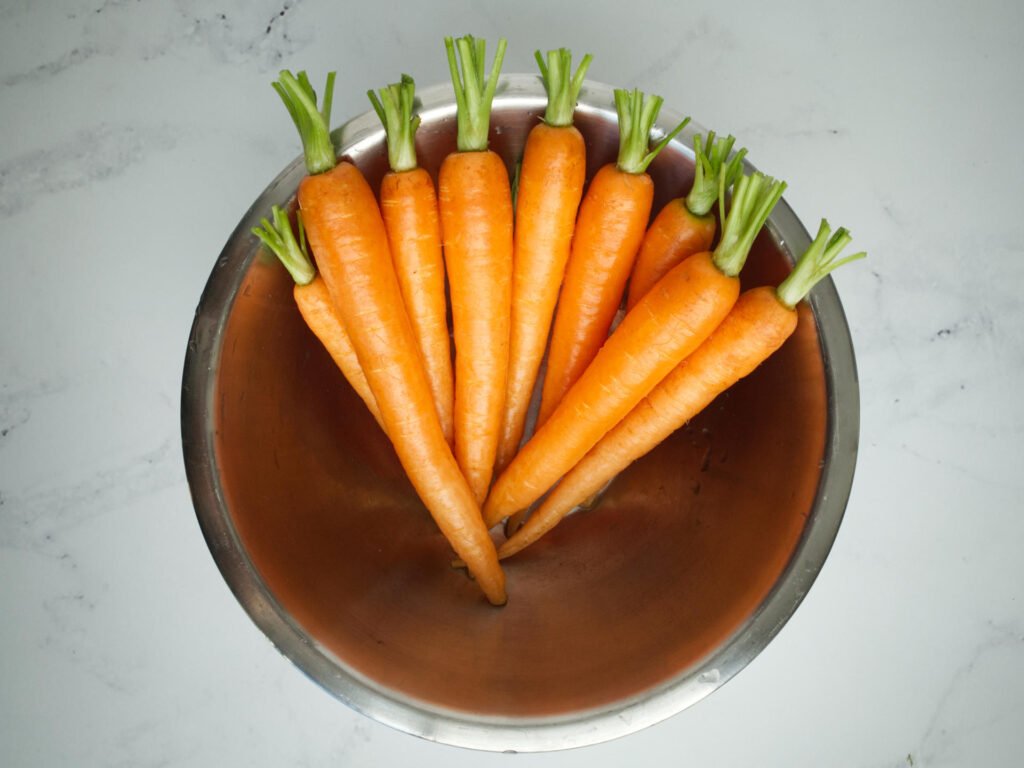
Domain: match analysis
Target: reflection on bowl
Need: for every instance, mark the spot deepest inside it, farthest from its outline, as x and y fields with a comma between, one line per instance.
x=620, y=617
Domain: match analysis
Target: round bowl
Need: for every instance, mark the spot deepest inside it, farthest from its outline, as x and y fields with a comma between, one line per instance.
x=623, y=615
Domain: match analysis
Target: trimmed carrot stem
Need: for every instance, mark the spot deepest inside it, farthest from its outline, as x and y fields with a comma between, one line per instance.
x=754, y=329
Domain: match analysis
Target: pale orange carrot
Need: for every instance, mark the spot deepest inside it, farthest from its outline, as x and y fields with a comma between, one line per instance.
x=612, y=219
x=349, y=242
x=550, y=186
x=760, y=322
x=476, y=225
x=408, y=202
x=686, y=225
x=314, y=300
x=671, y=321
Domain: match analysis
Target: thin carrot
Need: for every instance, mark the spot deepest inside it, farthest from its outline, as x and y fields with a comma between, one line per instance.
x=550, y=186
x=314, y=301
x=660, y=331
x=476, y=224
x=686, y=225
x=612, y=218
x=756, y=327
x=408, y=202
x=349, y=242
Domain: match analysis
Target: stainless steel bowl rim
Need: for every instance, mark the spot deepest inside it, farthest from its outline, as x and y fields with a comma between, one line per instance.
x=460, y=728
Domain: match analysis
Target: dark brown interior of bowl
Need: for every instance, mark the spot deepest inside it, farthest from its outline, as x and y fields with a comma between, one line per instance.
x=680, y=550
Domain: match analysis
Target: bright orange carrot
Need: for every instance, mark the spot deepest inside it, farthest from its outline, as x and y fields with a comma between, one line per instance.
x=660, y=331
x=347, y=236
x=314, y=301
x=758, y=324
x=476, y=224
x=613, y=216
x=408, y=202
x=550, y=186
x=686, y=226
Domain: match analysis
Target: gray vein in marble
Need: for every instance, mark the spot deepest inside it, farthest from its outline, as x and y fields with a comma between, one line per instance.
x=34, y=520
x=48, y=69
x=89, y=156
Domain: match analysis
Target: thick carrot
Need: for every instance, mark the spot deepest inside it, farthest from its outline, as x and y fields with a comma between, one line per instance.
x=756, y=327
x=476, y=224
x=550, y=186
x=349, y=242
x=408, y=202
x=660, y=331
x=613, y=216
x=314, y=301
x=686, y=225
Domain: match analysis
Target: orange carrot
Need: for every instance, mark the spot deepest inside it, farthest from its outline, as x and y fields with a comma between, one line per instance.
x=613, y=216
x=476, y=224
x=686, y=226
x=660, y=331
x=550, y=186
x=348, y=239
x=408, y=203
x=314, y=301
x=757, y=326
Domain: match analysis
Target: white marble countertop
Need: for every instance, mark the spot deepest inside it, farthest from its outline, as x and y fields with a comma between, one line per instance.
x=137, y=134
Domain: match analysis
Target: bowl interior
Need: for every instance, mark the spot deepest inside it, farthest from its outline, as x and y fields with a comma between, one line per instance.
x=616, y=602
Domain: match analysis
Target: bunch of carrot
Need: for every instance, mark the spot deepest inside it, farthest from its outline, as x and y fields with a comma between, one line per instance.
x=371, y=284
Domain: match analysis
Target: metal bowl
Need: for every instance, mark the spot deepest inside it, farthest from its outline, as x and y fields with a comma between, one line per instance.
x=623, y=615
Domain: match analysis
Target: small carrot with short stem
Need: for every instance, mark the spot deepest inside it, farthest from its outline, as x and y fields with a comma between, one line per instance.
x=665, y=326
x=757, y=326
x=550, y=186
x=612, y=219
x=476, y=224
x=349, y=242
x=314, y=300
x=686, y=225
x=408, y=203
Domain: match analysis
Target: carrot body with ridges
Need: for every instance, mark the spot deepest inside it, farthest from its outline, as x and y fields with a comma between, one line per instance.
x=550, y=187
x=475, y=200
x=758, y=325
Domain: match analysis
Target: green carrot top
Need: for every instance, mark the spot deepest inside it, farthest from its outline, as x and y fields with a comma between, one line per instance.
x=562, y=86
x=709, y=162
x=820, y=258
x=280, y=238
x=637, y=113
x=394, y=108
x=753, y=198
x=474, y=89
x=312, y=123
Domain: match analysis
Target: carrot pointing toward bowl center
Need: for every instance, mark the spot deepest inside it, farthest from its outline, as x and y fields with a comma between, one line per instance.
x=667, y=324
x=349, y=242
x=476, y=224
x=550, y=187
x=757, y=326
x=408, y=202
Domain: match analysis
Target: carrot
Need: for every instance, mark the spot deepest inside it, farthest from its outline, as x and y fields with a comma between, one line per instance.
x=476, y=225
x=408, y=202
x=757, y=326
x=686, y=226
x=663, y=328
x=550, y=186
x=348, y=239
x=612, y=218
x=314, y=300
